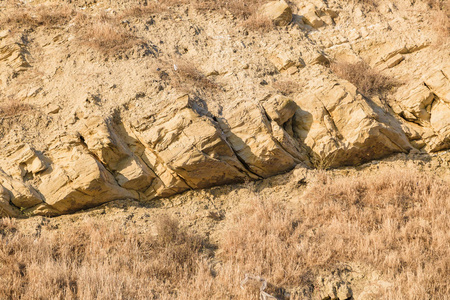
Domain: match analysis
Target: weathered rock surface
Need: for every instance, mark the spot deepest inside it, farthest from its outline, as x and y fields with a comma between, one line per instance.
x=341, y=127
x=426, y=104
x=81, y=126
x=278, y=11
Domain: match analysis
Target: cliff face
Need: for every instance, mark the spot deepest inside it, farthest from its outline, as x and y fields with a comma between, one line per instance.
x=102, y=102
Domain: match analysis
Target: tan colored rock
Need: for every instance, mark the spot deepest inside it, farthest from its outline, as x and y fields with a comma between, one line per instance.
x=284, y=61
x=427, y=104
x=15, y=56
x=191, y=146
x=415, y=104
x=439, y=83
x=104, y=141
x=342, y=128
x=6, y=209
x=42, y=209
x=249, y=133
x=279, y=108
x=21, y=195
x=77, y=180
x=440, y=122
x=395, y=60
x=21, y=159
x=312, y=19
x=278, y=11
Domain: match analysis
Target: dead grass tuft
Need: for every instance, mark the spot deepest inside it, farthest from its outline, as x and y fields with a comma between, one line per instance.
x=140, y=11
x=367, y=80
x=286, y=87
x=12, y=108
x=187, y=76
x=104, y=33
x=46, y=15
x=258, y=23
x=239, y=9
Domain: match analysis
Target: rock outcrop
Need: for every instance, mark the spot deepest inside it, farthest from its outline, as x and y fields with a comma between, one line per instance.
x=185, y=97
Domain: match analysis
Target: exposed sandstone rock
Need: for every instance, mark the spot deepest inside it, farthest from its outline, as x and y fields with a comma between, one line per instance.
x=14, y=55
x=119, y=129
x=190, y=146
x=21, y=195
x=77, y=180
x=250, y=134
x=6, y=209
x=427, y=104
x=279, y=108
x=343, y=128
x=278, y=11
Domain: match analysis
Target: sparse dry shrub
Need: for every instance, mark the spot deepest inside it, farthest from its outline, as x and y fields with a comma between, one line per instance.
x=286, y=87
x=142, y=10
x=259, y=23
x=187, y=76
x=11, y=108
x=238, y=8
x=38, y=15
x=104, y=33
x=367, y=80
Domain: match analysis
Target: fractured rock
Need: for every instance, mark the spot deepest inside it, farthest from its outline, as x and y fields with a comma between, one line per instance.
x=250, y=134
x=339, y=125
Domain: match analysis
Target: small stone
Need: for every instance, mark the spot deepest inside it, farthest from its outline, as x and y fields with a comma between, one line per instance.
x=395, y=60
x=53, y=109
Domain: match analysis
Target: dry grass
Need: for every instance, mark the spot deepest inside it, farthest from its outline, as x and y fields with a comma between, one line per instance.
x=104, y=34
x=12, y=108
x=258, y=23
x=41, y=15
x=95, y=261
x=368, y=81
x=286, y=87
x=187, y=77
x=238, y=8
x=440, y=20
x=394, y=222
x=140, y=11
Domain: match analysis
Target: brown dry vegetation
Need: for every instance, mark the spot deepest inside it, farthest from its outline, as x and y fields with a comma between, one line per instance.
x=104, y=33
x=286, y=87
x=186, y=76
x=368, y=81
x=440, y=20
x=394, y=222
x=41, y=15
x=13, y=107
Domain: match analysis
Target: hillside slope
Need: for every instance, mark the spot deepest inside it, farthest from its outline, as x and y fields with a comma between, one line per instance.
x=103, y=101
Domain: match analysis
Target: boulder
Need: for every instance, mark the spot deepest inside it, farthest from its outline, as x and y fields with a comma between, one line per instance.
x=278, y=11
x=77, y=180
x=341, y=127
x=188, y=149
x=21, y=195
x=279, y=108
x=427, y=103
